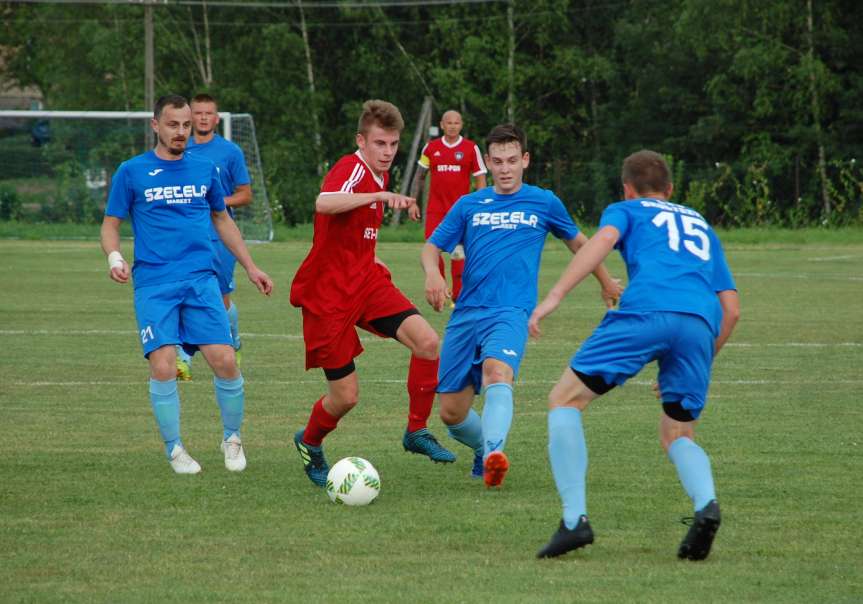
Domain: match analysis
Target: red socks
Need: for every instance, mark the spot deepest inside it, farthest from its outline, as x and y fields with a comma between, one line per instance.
x=422, y=383
x=457, y=267
x=320, y=424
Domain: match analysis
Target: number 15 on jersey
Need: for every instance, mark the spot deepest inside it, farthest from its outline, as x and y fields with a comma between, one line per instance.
x=695, y=239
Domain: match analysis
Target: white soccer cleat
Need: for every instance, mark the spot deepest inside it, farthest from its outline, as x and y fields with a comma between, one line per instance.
x=182, y=462
x=235, y=458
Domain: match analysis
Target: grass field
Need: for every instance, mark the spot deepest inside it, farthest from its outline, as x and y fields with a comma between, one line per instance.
x=90, y=511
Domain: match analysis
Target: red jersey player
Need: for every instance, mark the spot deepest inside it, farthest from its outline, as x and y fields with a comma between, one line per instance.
x=453, y=160
x=342, y=285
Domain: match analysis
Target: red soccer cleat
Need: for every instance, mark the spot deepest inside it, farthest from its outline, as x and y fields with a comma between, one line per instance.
x=494, y=468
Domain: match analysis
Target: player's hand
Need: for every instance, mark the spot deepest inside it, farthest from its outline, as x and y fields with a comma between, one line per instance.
x=611, y=295
x=414, y=212
x=436, y=292
x=398, y=202
x=261, y=280
x=545, y=308
x=120, y=274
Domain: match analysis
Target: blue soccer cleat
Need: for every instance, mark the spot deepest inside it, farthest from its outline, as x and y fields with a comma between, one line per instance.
x=477, y=470
x=423, y=442
x=314, y=463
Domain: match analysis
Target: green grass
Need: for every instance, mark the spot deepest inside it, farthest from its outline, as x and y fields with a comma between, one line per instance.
x=90, y=511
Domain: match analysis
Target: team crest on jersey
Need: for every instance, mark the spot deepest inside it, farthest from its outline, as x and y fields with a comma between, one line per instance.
x=437, y=153
x=459, y=155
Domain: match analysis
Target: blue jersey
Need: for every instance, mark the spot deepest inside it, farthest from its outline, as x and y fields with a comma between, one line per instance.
x=169, y=204
x=673, y=258
x=503, y=237
x=229, y=161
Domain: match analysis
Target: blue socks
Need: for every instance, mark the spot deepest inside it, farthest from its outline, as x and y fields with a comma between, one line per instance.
x=234, y=320
x=469, y=432
x=496, y=417
x=166, y=408
x=183, y=355
x=693, y=468
x=568, y=453
x=231, y=398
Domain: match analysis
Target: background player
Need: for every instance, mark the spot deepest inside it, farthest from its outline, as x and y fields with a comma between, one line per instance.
x=236, y=185
x=453, y=161
x=172, y=199
x=679, y=309
x=503, y=229
x=342, y=284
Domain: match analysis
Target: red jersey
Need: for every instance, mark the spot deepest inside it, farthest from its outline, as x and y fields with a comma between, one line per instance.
x=340, y=267
x=451, y=168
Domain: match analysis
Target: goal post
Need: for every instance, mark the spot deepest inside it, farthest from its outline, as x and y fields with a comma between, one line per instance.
x=57, y=165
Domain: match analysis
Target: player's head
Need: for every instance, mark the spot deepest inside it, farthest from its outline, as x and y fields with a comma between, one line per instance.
x=378, y=133
x=451, y=124
x=646, y=174
x=507, y=157
x=205, y=114
x=172, y=123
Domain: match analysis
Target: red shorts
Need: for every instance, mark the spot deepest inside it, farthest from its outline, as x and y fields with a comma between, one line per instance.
x=433, y=218
x=332, y=340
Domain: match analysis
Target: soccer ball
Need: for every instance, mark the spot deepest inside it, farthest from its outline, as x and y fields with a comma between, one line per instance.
x=353, y=481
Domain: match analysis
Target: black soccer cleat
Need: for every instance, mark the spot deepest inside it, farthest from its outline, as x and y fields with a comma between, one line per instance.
x=702, y=530
x=565, y=540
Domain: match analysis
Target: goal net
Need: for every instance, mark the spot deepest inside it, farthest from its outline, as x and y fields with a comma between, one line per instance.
x=57, y=165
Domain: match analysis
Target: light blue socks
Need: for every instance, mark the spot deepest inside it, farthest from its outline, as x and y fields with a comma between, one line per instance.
x=693, y=468
x=469, y=432
x=234, y=320
x=166, y=408
x=183, y=355
x=568, y=453
x=231, y=398
x=496, y=417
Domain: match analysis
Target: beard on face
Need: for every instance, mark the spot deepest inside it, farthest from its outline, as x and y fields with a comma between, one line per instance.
x=172, y=150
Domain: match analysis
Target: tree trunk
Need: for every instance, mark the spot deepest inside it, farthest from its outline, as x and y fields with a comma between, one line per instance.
x=826, y=205
x=510, y=63
x=316, y=129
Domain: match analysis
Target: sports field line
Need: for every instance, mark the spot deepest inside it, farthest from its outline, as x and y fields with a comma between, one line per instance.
x=367, y=339
x=41, y=383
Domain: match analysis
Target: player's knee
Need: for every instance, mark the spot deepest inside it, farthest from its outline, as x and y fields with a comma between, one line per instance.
x=450, y=416
x=224, y=363
x=427, y=345
x=496, y=375
x=346, y=398
x=163, y=370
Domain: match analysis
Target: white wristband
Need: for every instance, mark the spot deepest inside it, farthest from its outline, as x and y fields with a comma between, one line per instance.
x=115, y=260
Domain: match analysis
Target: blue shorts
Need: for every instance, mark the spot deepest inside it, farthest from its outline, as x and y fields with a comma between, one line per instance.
x=624, y=342
x=187, y=312
x=225, y=263
x=474, y=335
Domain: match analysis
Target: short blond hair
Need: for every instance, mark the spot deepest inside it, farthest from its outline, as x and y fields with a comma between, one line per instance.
x=382, y=114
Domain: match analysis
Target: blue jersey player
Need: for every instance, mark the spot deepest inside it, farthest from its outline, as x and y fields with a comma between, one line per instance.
x=679, y=308
x=236, y=186
x=503, y=230
x=171, y=199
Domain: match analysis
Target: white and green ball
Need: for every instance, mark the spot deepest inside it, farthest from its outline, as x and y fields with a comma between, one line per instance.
x=353, y=481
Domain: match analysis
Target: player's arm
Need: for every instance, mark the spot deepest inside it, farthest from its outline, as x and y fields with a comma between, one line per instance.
x=611, y=290
x=419, y=180
x=730, y=303
x=242, y=196
x=110, y=239
x=586, y=261
x=336, y=203
x=479, y=182
x=233, y=240
x=435, y=286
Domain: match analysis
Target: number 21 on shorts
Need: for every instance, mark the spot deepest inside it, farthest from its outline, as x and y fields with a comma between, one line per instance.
x=692, y=227
x=146, y=334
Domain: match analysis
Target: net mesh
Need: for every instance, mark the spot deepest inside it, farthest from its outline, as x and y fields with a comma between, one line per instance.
x=59, y=169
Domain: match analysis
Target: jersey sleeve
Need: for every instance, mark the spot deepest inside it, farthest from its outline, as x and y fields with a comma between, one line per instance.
x=559, y=221
x=477, y=166
x=343, y=177
x=722, y=278
x=615, y=215
x=215, y=195
x=239, y=171
x=424, y=160
x=450, y=231
x=121, y=196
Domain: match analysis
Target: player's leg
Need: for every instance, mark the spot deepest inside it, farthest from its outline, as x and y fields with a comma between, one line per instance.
x=205, y=325
x=411, y=329
x=434, y=216
x=463, y=423
x=684, y=374
x=457, y=269
x=157, y=313
x=342, y=396
x=225, y=265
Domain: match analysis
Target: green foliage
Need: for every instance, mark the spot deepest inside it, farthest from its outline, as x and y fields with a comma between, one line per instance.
x=746, y=86
x=10, y=203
